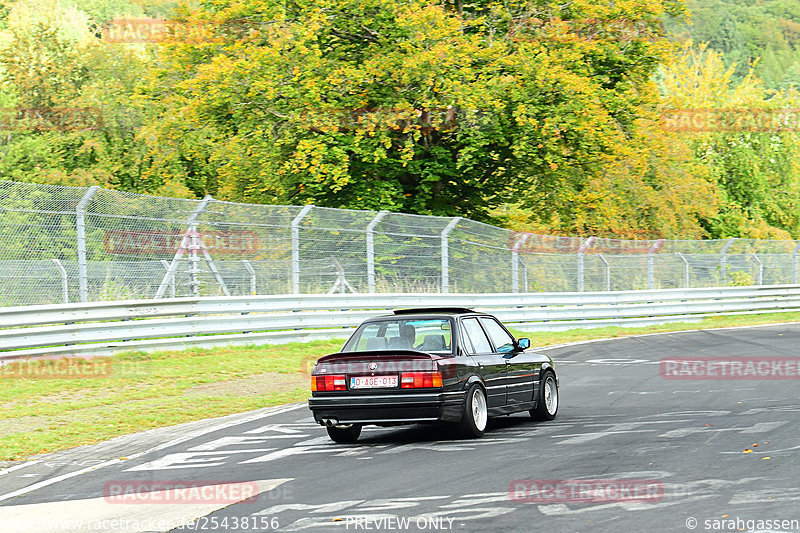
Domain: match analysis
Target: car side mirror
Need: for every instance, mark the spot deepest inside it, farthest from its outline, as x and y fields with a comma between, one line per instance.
x=524, y=343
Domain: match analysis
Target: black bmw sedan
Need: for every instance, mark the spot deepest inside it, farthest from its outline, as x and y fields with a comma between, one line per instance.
x=430, y=365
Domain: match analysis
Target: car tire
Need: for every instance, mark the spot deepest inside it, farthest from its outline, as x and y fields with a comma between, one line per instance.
x=344, y=434
x=476, y=415
x=547, y=405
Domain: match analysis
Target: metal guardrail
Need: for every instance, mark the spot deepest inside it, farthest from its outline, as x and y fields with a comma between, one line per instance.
x=107, y=327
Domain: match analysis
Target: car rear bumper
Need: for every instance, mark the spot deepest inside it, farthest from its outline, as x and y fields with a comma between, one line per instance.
x=394, y=408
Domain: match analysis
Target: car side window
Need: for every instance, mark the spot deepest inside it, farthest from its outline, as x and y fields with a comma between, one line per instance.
x=466, y=343
x=503, y=342
x=476, y=336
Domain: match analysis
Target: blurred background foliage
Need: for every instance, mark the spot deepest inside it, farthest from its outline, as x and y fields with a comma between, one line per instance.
x=531, y=114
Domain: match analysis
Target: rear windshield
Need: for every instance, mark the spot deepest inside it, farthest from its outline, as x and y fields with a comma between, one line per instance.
x=425, y=335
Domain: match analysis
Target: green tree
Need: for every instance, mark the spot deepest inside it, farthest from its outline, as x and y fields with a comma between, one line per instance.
x=53, y=65
x=421, y=106
x=756, y=168
x=764, y=34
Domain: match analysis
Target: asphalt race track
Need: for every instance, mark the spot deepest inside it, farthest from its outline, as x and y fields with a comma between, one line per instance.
x=619, y=420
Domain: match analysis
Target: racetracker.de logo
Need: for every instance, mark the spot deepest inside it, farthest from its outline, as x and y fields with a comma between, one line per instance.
x=128, y=242
x=730, y=120
x=585, y=490
x=66, y=368
x=723, y=368
x=50, y=118
x=172, y=492
x=168, y=31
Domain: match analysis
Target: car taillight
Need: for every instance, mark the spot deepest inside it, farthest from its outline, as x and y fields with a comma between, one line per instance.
x=328, y=383
x=420, y=380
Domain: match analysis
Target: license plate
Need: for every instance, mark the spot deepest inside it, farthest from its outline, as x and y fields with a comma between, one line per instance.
x=373, y=382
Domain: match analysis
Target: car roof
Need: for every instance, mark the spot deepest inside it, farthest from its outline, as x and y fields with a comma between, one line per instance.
x=428, y=312
x=434, y=310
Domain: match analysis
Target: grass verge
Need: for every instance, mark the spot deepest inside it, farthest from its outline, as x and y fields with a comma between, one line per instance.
x=57, y=404
x=47, y=406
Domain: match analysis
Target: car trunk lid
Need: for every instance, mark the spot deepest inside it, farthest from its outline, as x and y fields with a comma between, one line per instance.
x=376, y=363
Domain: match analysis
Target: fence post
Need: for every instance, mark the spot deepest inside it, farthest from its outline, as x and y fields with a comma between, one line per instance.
x=64, y=281
x=723, y=260
x=80, y=226
x=252, y=273
x=296, y=248
x=371, y=250
x=524, y=275
x=685, y=269
x=586, y=244
x=514, y=271
x=189, y=240
x=760, y=276
x=608, y=271
x=794, y=263
x=515, y=265
x=651, y=282
x=446, y=254
x=165, y=263
x=194, y=281
x=212, y=266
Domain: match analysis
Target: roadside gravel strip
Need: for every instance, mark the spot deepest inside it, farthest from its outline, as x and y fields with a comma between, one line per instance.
x=632, y=449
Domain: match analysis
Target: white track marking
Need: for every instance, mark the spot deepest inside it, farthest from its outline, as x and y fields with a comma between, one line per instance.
x=17, y=467
x=580, y=438
x=391, y=504
x=560, y=509
x=759, y=427
x=295, y=450
x=768, y=452
x=192, y=460
x=766, y=496
x=288, y=431
x=222, y=442
x=334, y=507
x=218, y=427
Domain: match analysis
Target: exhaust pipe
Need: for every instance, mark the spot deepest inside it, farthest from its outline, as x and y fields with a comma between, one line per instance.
x=330, y=422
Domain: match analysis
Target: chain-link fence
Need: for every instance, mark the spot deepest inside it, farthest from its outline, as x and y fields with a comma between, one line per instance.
x=67, y=244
